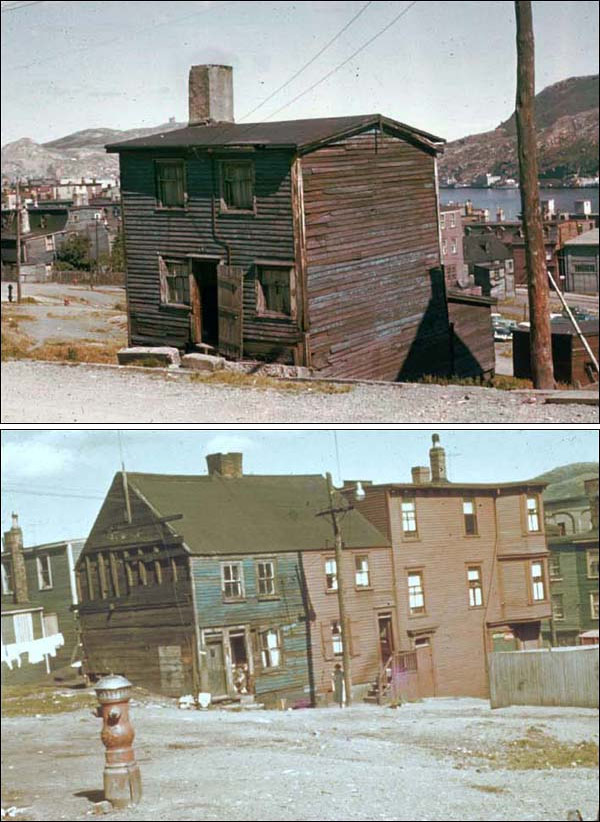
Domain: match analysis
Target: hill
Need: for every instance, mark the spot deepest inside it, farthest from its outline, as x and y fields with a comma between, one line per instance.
x=567, y=130
x=567, y=480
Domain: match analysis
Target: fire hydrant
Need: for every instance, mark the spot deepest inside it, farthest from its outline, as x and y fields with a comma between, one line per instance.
x=122, y=780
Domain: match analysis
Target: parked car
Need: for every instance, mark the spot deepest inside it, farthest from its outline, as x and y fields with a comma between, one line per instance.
x=503, y=328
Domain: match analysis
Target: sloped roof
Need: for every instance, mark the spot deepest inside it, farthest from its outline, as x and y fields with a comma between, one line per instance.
x=298, y=134
x=587, y=238
x=481, y=248
x=251, y=514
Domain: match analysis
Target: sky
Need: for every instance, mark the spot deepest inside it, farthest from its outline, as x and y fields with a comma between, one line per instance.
x=446, y=67
x=56, y=480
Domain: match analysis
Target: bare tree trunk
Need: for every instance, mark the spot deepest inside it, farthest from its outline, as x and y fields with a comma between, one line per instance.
x=535, y=255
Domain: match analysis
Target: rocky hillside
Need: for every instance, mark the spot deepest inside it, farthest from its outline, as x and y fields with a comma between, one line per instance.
x=567, y=124
x=80, y=154
x=568, y=480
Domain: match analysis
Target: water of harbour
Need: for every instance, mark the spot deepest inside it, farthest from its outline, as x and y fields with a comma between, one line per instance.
x=509, y=199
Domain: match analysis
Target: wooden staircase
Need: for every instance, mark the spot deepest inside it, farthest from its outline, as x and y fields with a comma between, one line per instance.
x=387, y=687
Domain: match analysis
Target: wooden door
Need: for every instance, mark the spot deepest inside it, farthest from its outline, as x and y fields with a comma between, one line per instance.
x=215, y=663
x=230, y=283
x=196, y=312
x=386, y=637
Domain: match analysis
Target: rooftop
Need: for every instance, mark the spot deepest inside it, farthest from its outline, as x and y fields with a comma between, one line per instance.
x=587, y=238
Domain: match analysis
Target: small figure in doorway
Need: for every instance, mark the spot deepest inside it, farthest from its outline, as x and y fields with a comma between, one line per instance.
x=338, y=685
x=10, y=291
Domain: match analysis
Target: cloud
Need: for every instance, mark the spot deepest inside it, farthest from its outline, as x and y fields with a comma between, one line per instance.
x=222, y=443
x=27, y=460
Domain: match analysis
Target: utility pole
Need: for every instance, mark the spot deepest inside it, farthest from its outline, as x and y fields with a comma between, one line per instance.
x=540, y=336
x=333, y=512
x=18, y=232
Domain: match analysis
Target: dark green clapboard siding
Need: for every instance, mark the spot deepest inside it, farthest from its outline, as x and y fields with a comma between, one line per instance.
x=575, y=587
x=286, y=613
x=150, y=231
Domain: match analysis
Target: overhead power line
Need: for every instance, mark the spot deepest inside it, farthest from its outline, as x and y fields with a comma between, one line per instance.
x=20, y=6
x=311, y=61
x=348, y=59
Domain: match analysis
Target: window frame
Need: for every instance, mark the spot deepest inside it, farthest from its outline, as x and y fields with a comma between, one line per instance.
x=589, y=562
x=165, y=162
x=475, y=585
x=554, y=570
x=594, y=608
x=473, y=514
x=25, y=620
x=7, y=579
x=416, y=610
x=361, y=586
x=273, y=563
x=537, y=512
x=262, y=310
x=555, y=616
x=164, y=263
x=39, y=562
x=535, y=581
x=413, y=532
x=49, y=242
x=240, y=581
x=337, y=637
x=266, y=650
x=333, y=588
x=224, y=207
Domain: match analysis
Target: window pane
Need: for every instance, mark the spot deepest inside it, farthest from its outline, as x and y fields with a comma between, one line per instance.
x=331, y=575
x=273, y=290
x=409, y=516
x=238, y=185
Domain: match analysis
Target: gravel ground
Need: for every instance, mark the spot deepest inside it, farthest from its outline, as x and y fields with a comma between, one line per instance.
x=419, y=762
x=34, y=392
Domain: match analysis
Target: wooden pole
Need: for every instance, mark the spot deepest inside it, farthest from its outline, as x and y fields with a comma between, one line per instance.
x=18, y=232
x=535, y=256
x=340, y=592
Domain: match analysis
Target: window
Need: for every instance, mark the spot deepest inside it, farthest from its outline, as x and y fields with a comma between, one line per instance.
x=274, y=291
x=475, y=586
x=422, y=642
x=537, y=581
x=509, y=266
x=554, y=566
x=170, y=183
x=584, y=268
x=265, y=572
x=331, y=575
x=361, y=572
x=176, y=287
x=470, y=517
x=232, y=581
x=23, y=624
x=6, y=578
x=453, y=220
x=442, y=221
x=336, y=638
x=444, y=247
x=594, y=604
x=409, y=516
x=44, y=572
x=453, y=246
x=416, y=596
x=592, y=564
x=49, y=242
x=237, y=185
x=558, y=612
x=270, y=648
x=533, y=514
x=50, y=624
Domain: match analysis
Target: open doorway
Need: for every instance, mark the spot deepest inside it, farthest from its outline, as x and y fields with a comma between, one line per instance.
x=240, y=671
x=386, y=637
x=206, y=306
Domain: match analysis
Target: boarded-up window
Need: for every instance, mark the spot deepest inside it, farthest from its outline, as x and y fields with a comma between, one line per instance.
x=50, y=624
x=274, y=290
x=270, y=648
x=23, y=624
x=170, y=183
x=416, y=594
x=44, y=572
x=237, y=185
x=475, y=586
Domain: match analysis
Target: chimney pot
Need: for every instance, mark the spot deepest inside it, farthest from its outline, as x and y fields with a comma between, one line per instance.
x=210, y=94
x=225, y=465
x=437, y=460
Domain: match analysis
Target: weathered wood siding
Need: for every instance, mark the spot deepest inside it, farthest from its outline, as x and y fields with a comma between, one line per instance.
x=375, y=308
x=567, y=677
x=363, y=605
x=285, y=611
x=151, y=231
x=473, y=353
x=441, y=551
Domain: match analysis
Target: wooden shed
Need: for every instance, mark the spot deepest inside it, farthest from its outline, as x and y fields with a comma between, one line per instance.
x=472, y=336
x=572, y=363
x=313, y=242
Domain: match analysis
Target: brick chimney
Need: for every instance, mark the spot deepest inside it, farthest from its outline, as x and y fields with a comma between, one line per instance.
x=13, y=541
x=591, y=490
x=210, y=95
x=437, y=460
x=420, y=474
x=225, y=465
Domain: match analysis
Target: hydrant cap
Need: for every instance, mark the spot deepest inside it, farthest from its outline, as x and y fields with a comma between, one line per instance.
x=113, y=688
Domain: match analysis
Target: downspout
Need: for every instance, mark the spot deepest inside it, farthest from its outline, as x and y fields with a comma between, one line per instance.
x=308, y=612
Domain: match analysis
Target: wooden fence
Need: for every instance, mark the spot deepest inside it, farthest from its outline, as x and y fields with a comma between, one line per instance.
x=557, y=676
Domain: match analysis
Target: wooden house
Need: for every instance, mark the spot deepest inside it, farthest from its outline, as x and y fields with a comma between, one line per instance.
x=470, y=568
x=209, y=583
x=39, y=630
x=314, y=242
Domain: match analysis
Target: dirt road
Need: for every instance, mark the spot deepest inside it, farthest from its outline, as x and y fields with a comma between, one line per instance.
x=440, y=759
x=34, y=392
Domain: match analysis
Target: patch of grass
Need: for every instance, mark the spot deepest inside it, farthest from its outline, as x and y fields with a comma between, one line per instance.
x=29, y=700
x=262, y=382
x=19, y=346
x=537, y=751
x=28, y=301
x=150, y=362
x=507, y=383
x=499, y=381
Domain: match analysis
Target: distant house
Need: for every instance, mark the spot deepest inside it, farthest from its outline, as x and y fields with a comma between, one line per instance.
x=227, y=583
x=490, y=262
x=41, y=234
x=470, y=570
x=579, y=263
x=451, y=230
x=39, y=631
x=312, y=242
